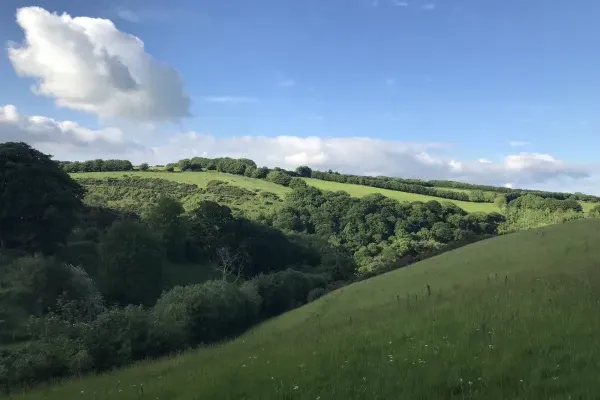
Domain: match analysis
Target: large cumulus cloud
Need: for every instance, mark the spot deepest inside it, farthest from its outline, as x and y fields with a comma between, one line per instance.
x=87, y=64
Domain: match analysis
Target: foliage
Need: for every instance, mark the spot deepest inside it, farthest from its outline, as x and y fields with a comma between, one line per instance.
x=38, y=200
x=131, y=260
x=279, y=177
x=96, y=166
x=304, y=171
x=500, y=310
x=144, y=167
x=166, y=220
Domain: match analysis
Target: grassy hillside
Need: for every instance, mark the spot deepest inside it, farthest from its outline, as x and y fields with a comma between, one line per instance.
x=202, y=178
x=512, y=317
x=360, y=191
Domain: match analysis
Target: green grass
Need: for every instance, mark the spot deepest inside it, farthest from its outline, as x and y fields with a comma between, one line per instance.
x=202, y=178
x=360, y=191
x=514, y=317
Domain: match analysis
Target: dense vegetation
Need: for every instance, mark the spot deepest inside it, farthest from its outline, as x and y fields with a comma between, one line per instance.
x=84, y=282
x=97, y=165
x=506, y=318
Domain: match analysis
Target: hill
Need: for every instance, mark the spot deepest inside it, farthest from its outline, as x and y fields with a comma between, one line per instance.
x=201, y=179
x=509, y=317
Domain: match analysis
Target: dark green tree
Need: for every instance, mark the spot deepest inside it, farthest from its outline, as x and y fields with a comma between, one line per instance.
x=144, y=167
x=165, y=219
x=131, y=262
x=38, y=200
x=304, y=171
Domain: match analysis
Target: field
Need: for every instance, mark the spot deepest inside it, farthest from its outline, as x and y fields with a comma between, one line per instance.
x=202, y=178
x=360, y=191
x=514, y=317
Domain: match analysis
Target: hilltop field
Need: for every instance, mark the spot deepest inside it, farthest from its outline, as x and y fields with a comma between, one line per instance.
x=510, y=317
x=201, y=179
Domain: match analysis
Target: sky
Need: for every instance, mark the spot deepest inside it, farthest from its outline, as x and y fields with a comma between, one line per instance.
x=483, y=91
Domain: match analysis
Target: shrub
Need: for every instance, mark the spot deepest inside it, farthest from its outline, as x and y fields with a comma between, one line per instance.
x=279, y=177
x=144, y=167
x=315, y=294
x=285, y=290
x=208, y=312
x=296, y=183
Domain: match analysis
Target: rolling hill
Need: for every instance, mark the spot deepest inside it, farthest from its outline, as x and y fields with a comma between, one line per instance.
x=201, y=179
x=510, y=317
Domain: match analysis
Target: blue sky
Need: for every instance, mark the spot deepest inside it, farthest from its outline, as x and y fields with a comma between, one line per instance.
x=474, y=75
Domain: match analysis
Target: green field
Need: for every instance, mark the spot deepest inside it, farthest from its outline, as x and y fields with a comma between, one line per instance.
x=514, y=317
x=202, y=178
x=360, y=191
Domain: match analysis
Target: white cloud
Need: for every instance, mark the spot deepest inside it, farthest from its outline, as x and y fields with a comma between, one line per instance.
x=355, y=155
x=87, y=64
x=428, y=7
x=64, y=139
x=400, y=3
x=230, y=99
x=518, y=143
x=393, y=158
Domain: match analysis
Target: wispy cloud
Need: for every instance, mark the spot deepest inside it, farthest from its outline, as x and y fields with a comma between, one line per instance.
x=518, y=143
x=400, y=3
x=230, y=99
x=428, y=7
x=158, y=15
x=287, y=83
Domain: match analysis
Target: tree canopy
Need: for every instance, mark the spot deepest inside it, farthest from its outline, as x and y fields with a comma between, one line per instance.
x=38, y=200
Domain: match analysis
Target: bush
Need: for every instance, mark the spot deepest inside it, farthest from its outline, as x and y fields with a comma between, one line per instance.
x=296, y=183
x=208, y=312
x=35, y=362
x=285, y=290
x=144, y=167
x=315, y=294
x=279, y=177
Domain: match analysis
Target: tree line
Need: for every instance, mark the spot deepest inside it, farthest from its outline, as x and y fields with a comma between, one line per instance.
x=97, y=165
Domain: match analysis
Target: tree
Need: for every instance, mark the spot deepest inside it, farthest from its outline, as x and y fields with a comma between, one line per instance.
x=144, y=167
x=38, y=200
x=165, y=218
x=304, y=171
x=131, y=261
x=279, y=177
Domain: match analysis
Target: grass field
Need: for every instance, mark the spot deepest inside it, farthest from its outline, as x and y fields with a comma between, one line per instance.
x=360, y=191
x=202, y=178
x=514, y=317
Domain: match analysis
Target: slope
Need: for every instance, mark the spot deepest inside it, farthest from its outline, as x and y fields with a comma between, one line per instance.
x=511, y=317
x=201, y=179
